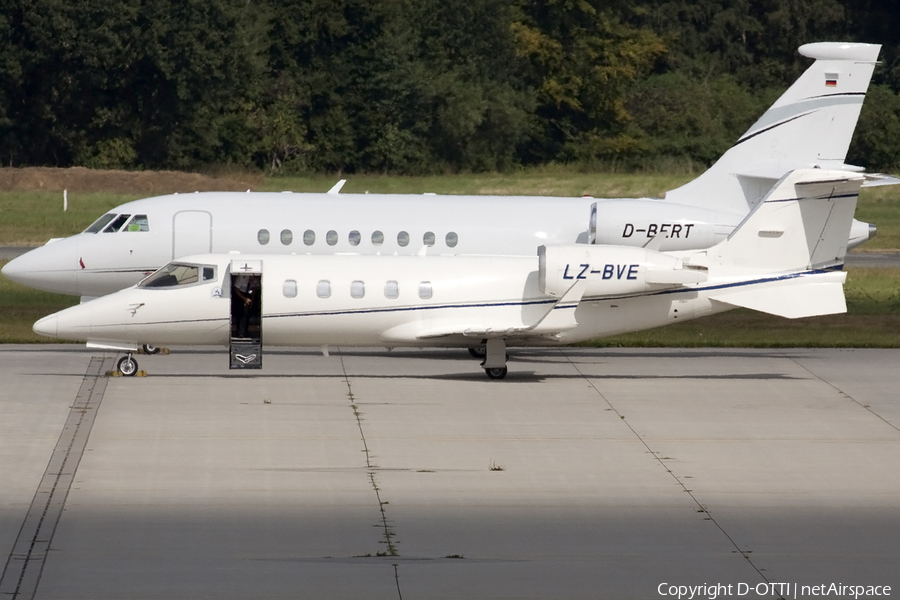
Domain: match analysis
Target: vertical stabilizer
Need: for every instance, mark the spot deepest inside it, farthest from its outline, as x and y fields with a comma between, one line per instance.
x=810, y=125
x=803, y=223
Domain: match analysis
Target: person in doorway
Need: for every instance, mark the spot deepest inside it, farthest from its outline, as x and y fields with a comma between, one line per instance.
x=242, y=301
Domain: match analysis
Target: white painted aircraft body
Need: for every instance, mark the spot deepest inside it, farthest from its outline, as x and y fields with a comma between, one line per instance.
x=809, y=126
x=781, y=260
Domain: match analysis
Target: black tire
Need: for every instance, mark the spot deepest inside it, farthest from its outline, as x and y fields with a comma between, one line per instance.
x=127, y=366
x=478, y=352
x=148, y=349
x=496, y=373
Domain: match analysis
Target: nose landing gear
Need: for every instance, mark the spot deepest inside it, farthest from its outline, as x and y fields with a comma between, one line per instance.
x=127, y=366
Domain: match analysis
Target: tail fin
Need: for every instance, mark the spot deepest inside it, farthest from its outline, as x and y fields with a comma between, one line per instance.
x=803, y=223
x=810, y=125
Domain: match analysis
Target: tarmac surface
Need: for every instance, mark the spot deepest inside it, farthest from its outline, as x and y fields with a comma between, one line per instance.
x=408, y=474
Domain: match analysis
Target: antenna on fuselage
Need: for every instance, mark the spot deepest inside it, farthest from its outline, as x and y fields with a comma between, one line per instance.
x=337, y=187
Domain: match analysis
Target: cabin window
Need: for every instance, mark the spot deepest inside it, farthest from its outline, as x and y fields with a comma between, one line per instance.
x=138, y=223
x=287, y=236
x=309, y=237
x=173, y=274
x=377, y=238
x=403, y=238
x=289, y=289
x=428, y=238
x=209, y=273
x=391, y=289
x=425, y=290
x=100, y=223
x=452, y=239
x=357, y=289
x=263, y=236
x=331, y=237
x=354, y=238
x=323, y=289
x=116, y=224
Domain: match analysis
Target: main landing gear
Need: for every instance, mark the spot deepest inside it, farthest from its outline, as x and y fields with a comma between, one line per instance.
x=495, y=356
x=127, y=366
x=496, y=373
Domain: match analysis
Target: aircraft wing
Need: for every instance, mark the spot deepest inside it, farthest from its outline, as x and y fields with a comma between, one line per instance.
x=558, y=317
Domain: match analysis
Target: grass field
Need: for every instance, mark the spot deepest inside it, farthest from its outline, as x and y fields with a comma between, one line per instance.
x=873, y=295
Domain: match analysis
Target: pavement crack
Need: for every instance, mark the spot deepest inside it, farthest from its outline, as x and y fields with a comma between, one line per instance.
x=660, y=459
x=388, y=534
x=397, y=580
x=841, y=392
x=356, y=414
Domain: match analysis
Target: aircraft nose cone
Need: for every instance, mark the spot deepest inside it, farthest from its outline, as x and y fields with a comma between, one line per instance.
x=13, y=269
x=44, y=268
x=48, y=326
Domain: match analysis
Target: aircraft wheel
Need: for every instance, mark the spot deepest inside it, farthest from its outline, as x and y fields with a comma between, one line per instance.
x=478, y=352
x=496, y=373
x=127, y=366
x=148, y=349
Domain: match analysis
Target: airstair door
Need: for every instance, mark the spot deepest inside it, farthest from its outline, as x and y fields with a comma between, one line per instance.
x=245, y=347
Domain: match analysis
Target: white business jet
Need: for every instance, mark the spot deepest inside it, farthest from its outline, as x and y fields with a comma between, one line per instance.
x=809, y=126
x=784, y=259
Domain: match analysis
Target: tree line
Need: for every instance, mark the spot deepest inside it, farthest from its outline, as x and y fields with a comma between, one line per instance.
x=416, y=86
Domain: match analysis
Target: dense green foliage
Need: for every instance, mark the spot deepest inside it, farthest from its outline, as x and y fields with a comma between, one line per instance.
x=415, y=86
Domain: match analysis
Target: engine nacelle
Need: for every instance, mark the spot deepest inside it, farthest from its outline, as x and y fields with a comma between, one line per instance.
x=611, y=270
x=678, y=226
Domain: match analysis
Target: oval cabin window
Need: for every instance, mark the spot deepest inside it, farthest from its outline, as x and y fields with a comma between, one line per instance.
x=290, y=289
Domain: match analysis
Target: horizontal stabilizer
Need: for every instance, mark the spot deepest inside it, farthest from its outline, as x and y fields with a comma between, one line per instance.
x=879, y=179
x=790, y=301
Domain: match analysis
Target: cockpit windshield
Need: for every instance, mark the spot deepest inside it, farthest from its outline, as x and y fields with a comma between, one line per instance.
x=100, y=223
x=116, y=224
x=138, y=223
x=174, y=274
x=111, y=223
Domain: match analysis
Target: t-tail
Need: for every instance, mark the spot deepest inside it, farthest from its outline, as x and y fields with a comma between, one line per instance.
x=795, y=241
x=809, y=126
